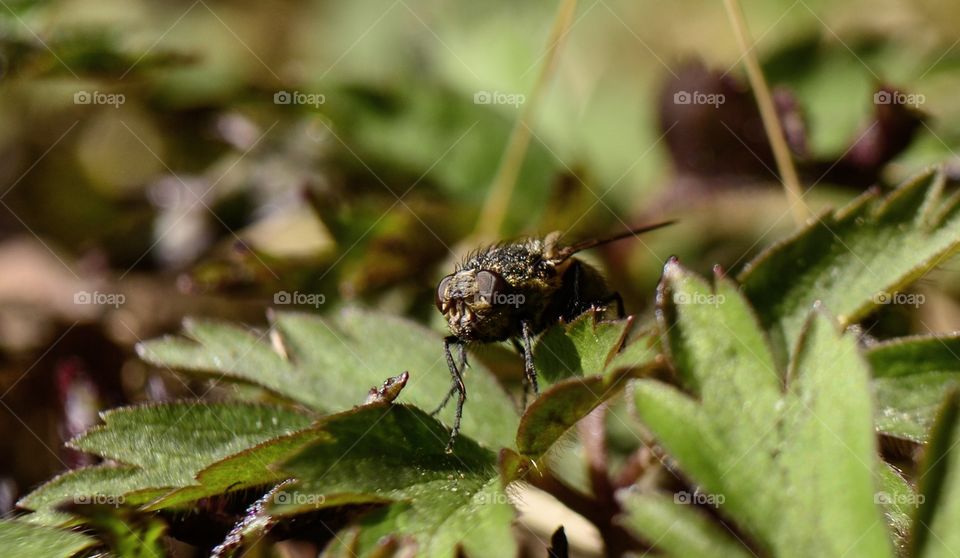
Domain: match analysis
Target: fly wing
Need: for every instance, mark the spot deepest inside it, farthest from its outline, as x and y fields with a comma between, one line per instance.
x=567, y=251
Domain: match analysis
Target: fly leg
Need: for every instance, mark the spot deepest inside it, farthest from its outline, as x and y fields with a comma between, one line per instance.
x=529, y=372
x=614, y=297
x=525, y=382
x=575, y=307
x=578, y=304
x=457, y=386
x=464, y=364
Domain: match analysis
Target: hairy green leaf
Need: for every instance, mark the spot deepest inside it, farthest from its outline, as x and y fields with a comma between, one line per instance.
x=676, y=527
x=829, y=458
x=910, y=377
x=795, y=465
x=19, y=539
x=330, y=363
x=395, y=454
x=935, y=533
x=721, y=355
x=583, y=347
x=585, y=363
x=163, y=447
x=682, y=426
x=246, y=469
x=854, y=259
x=899, y=502
x=557, y=410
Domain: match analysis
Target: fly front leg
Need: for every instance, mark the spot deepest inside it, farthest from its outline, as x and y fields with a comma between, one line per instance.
x=457, y=387
x=464, y=364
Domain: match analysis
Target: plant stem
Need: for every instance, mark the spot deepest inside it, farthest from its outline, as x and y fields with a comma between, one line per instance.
x=593, y=436
x=495, y=208
x=771, y=122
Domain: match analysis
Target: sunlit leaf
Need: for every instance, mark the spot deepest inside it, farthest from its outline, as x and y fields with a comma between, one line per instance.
x=583, y=347
x=935, y=533
x=395, y=454
x=899, y=502
x=25, y=540
x=330, y=363
x=585, y=363
x=854, y=259
x=163, y=447
x=829, y=456
x=721, y=355
x=557, y=410
x=790, y=457
x=679, y=529
x=910, y=377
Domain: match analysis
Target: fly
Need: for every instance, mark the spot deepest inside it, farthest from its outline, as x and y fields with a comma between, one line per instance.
x=514, y=291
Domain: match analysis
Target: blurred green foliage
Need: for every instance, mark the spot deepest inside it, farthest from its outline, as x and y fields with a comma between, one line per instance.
x=147, y=151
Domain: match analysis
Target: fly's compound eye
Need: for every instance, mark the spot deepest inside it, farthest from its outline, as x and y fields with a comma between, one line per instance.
x=440, y=297
x=489, y=285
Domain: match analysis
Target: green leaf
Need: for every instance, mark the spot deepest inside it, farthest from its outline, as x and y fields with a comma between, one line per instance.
x=795, y=466
x=568, y=356
x=330, y=363
x=683, y=428
x=105, y=483
x=395, y=453
x=583, y=347
x=851, y=259
x=910, y=377
x=720, y=353
x=639, y=353
x=899, y=502
x=19, y=539
x=246, y=469
x=935, y=533
x=163, y=447
x=713, y=337
x=557, y=410
x=830, y=452
x=676, y=528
